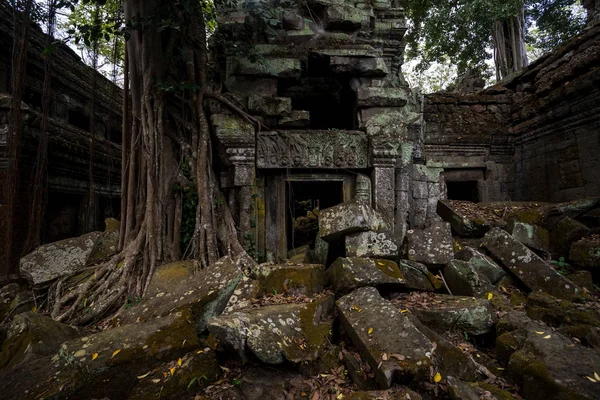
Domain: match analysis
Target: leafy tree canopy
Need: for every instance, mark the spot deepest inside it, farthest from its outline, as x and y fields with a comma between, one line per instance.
x=462, y=29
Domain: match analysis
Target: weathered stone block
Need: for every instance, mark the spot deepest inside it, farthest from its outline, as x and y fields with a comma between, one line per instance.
x=267, y=67
x=376, y=328
x=432, y=246
x=269, y=105
x=175, y=287
x=350, y=217
x=532, y=236
x=347, y=274
x=481, y=263
x=294, y=279
x=243, y=294
x=360, y=66
x=442, y=313
x=586, y=252
x=252, y=84
x=300, y=255
x=566, y=232
x=298, y=119
x=272, y=333
x=467, y=219
x=382, y=97
x=345, y=17
x=556, y=312
x=529, y=268
x=464, y=280
x=370, y=244
x=56, y=260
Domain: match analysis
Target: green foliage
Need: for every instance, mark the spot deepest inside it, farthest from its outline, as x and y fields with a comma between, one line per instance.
x=462, y=29
x=562, y=266
x=131, y=302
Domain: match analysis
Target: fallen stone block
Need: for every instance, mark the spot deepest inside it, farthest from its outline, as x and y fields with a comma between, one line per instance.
x=481, y=263
x=557, y=312
x=397, y=392
x=466, y=218
x=459, y=390
x=582, y=278
x=107, y=364
x=243, y=294
x=548, y=365
x=418, y=277
x=431, y=246
x=293, y=279
x=464, y=280
x=442, y=313
x=566, y=232
x=300, y=255
x=55, y=260
x=32, y=336
x=175, y=287
x=532, y=236
x=371, y=244
x=528, y=267
x=347, y=274
x=586, y=252
x=350, y=217
x=382, y=97
x=394, y=348
x=292, y=332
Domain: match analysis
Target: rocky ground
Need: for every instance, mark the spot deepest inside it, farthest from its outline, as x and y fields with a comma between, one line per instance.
x=494, y=301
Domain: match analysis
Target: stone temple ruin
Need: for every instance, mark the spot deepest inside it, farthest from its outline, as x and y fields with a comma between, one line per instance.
x=407, y=246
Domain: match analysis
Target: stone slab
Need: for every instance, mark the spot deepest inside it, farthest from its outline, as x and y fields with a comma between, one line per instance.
x=371, y=244
x=432, y=245
x=350, y=217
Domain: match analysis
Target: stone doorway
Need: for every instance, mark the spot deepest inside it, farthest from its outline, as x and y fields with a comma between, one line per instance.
x=465, y=190
x=304, y=201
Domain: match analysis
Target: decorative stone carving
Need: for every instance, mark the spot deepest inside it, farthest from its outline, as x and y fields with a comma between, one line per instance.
x=312, y=149
x=363, y=190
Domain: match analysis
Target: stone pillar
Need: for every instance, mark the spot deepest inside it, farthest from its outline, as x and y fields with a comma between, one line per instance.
x=403, y=197
x=243, y=160
x=383, y=160
x=364, y=194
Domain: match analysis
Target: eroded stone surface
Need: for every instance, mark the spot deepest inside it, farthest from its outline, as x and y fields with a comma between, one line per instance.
x=443, y=312
x=175, y=286
x=467, y=219
x=346, y=218
x=294, y=279
x=243, y=294
x=377, y=328
x=481, y=263
x=347, y=274
x=293, y=332
x=432, y=246
x=464, y=280
x=566, y=232
x=586, y=252
x=532, y=236
x=371, y=244
x=527, y=266
x=55, y=260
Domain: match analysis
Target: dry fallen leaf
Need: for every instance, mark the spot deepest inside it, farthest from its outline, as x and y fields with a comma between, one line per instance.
x=155, y=380
x=94, y=356
x=115, y=353
x=591, y=379
x=540, y=333
x=489, y=296
x=172, y=370
x=437, y=377
x=547, y=336
x=596, y=376
x=145, y=375
x=370, y=331
x=384, y=357
x=179, y=362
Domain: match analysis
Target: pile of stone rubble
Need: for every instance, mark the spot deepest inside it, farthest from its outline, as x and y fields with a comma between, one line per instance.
x=493, y=301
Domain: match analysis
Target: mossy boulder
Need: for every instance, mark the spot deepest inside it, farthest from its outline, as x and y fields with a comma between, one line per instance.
x=431, y=246
x=481, y=263
x=586, y=252
x=527, y=266
x=243, y=294
x=557, y=312
x=349, y=273
x=105, y=364
x=460, y=390
x=586, y=334
x=294, y=332
x=31, y=336
x=394, y=348
x=443, y=312
x=294, y=279
x=397, y=392
x=464, y=280
x=533, y=236
x=56, y=260
x=566, y=232
x=176, y=287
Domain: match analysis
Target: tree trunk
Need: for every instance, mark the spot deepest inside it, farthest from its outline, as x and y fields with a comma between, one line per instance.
x=510, y=54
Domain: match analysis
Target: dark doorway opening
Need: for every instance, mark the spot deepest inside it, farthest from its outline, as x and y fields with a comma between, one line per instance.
x=62, y=216
x=304, y=200
x=465, y=190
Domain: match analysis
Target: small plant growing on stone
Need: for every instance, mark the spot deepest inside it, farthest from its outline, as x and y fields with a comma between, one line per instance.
x=561, y=265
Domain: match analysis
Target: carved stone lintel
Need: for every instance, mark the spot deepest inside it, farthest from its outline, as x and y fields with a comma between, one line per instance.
x=243, y=160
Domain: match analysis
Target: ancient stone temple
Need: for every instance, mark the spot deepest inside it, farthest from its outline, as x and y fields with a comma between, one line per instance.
x=67, y=211
x=326, y=81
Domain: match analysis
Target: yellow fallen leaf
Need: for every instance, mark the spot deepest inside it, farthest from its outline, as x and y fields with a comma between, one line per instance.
x=145, y=375
x=94, y=356
x=224, y=368
x=403, y=311
x=34, y=309
x=547, y=336
x=596, y=376
x=437, y=377
x=172, y=370
x=200, y=352
x=179, y=362
x=490, y=295
x=340, y=396
x=115, y=353
x=591, y=379
x=155, y=380
x=539, y=333
x=370, y=331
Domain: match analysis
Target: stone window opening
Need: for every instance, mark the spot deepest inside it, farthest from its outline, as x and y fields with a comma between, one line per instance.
x=463, y=190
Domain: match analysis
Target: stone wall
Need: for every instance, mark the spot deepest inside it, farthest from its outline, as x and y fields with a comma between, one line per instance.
x=534, y=136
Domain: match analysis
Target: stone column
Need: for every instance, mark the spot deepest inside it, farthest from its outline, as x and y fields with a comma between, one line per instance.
x=243, y=160
x=383, y=160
